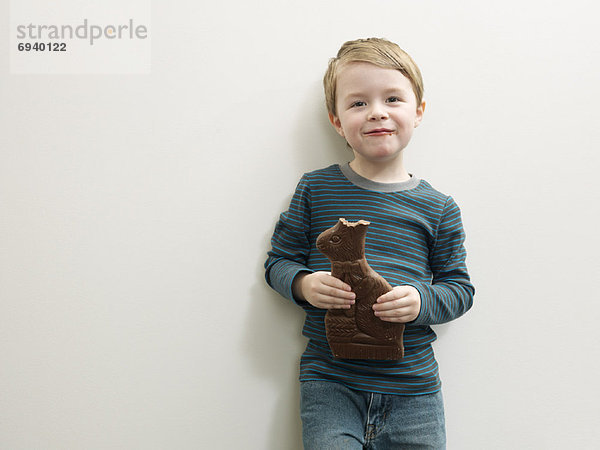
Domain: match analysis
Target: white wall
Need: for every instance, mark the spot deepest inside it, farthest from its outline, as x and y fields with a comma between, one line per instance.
x=136, y=212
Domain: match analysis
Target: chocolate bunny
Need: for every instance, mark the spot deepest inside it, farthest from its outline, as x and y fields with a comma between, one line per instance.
x=356, y=333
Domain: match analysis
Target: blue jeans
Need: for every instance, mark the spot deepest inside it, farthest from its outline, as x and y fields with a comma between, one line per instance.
x=336, y=417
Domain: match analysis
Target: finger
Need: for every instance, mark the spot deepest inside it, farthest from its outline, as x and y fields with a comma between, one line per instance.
x=390, y=305
x=335, y=303
x=334, y=292
x=394, y=294
x=385, y=301
x=403, y=319
x=396, y=312
x=404, y=311
x=396, y=315
x=336, y=283
x=338, y=306
x=335, y=296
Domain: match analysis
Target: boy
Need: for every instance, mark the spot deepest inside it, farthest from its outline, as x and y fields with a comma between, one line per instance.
x=374, y=96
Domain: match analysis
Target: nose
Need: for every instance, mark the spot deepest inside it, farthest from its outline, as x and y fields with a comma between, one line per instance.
x=377, y=112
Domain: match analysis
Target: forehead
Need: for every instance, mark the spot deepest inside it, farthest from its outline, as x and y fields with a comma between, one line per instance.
x=359, y=77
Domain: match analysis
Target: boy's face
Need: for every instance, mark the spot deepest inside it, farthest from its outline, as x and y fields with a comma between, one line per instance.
x=377, y=111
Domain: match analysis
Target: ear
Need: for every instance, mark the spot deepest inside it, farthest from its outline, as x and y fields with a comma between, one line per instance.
x=420, y=112
x=335, y=121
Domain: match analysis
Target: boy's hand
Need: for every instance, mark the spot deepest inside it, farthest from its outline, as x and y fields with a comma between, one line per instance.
x=323, y=291
x=402, y=304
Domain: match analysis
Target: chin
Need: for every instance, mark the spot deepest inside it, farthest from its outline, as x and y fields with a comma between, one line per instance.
x=382, y=154
x=387, y=155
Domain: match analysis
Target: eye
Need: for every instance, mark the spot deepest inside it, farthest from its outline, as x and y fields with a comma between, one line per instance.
x=393, y=99
x=357, y=104
x=335, y=239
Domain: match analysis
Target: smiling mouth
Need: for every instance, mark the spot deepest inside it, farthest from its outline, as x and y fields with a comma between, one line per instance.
x=379, y=132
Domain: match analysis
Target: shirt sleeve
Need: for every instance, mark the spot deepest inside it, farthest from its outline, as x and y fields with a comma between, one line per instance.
x=450, y=293
x=290, y=244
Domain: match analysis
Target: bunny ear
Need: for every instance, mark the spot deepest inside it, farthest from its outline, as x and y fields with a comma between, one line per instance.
x=344, y=222
x=354, y=224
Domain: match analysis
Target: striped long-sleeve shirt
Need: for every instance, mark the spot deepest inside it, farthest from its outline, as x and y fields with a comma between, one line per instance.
x=415, y=238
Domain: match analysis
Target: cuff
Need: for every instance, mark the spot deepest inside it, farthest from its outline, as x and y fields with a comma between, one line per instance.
x=424, y=312
x=281, y=276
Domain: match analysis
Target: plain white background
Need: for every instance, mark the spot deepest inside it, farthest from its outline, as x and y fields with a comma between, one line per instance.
x=136, y=212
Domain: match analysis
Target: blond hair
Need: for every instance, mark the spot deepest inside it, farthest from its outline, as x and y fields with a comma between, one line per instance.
x=380, y=52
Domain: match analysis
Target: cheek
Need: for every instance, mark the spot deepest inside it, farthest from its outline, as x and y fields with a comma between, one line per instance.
x=351, y=126
x=408, y=121
x=342, y=127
